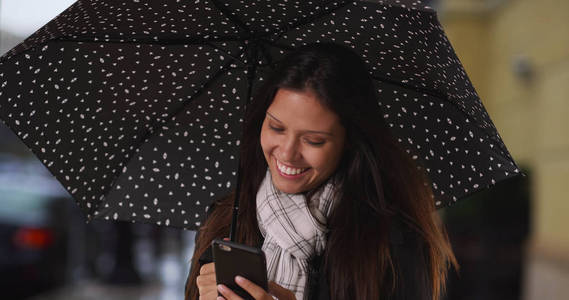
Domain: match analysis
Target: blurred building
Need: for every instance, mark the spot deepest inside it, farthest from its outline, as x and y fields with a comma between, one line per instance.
x=516, y=53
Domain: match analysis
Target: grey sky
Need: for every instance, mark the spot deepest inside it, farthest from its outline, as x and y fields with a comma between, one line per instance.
x=20, y=18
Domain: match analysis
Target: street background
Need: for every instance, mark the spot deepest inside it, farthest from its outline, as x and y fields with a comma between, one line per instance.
x=512, y=242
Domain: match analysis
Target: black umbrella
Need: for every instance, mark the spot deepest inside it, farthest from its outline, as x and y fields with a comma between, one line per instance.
x=136, y=106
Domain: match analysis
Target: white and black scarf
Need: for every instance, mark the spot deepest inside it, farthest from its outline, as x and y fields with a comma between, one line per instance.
x=294, y=230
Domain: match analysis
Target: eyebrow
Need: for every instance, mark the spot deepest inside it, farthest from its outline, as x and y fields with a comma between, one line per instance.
x=307, y=131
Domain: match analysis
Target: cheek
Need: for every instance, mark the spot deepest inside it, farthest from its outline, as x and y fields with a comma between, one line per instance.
x=324, y=160
x=316, y=159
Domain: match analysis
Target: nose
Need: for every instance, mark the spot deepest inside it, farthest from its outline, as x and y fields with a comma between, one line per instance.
x=290, y=151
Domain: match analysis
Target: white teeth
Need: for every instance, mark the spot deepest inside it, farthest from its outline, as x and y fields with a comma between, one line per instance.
x=288, y=170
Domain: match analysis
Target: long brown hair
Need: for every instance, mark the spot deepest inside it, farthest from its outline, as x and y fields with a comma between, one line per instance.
x=380, y=182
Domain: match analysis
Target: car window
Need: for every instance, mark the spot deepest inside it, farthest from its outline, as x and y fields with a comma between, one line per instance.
x=20, y=206
x=27, y=192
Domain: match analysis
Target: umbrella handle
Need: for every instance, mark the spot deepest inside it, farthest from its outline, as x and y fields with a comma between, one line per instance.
x=232, y=232
x=251, y=69
x=233, y=229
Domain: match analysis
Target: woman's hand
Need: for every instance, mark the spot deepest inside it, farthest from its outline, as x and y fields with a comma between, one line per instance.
x=256, y=291
x=206, y=282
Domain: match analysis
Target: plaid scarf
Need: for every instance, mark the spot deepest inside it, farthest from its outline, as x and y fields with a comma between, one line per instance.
x=293, y=231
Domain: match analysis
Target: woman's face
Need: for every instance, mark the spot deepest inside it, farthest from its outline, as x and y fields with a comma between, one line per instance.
x=302, y=141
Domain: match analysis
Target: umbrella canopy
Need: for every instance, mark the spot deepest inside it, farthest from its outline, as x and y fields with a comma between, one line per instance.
x=136, y=107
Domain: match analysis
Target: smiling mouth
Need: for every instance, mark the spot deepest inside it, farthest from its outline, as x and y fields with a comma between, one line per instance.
x=288, y=170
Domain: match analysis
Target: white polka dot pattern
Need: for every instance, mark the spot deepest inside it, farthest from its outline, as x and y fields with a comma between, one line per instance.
x=136, y=106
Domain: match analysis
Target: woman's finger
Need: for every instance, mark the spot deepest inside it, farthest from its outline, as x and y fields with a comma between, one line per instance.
x=207, y=268
x=280, y=292
x=206, y=280
x=254, y=290
x=210, y=295
x=227, y=293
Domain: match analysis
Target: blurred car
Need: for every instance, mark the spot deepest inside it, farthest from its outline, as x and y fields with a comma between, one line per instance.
x=34, y=228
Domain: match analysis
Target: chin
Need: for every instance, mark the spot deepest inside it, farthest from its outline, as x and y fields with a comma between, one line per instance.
x=287, y=188
x=289, y=191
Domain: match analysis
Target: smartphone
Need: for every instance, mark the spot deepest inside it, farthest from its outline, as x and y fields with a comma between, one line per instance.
x=232, y=259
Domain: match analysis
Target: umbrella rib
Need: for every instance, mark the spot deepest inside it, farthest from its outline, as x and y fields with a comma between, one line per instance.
x=228, y=54
x=107, y=40
x=430, y=92
x=134, y=41
x=174, y=42
x=270, y=42
x=308, y=21
x=210, y=81
x=445, y=98
x=305, y=22
x=228, y=14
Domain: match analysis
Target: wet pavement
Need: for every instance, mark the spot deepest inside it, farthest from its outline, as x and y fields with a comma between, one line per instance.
x=91, y=290
x=162, y=278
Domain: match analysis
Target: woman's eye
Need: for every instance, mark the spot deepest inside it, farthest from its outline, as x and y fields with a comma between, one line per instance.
x=276, y=128
x=315, y=143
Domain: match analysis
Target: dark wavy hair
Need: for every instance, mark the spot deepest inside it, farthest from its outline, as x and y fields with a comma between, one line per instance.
x=380, y=182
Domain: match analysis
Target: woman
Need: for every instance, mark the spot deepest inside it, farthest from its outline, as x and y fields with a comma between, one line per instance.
x=340, y=210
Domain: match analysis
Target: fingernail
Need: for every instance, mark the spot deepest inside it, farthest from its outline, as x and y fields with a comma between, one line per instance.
x=220, y=298
x=239, y=279
x=221, y=287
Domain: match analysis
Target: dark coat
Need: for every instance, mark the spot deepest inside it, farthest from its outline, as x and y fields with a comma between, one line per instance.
x=408, y=252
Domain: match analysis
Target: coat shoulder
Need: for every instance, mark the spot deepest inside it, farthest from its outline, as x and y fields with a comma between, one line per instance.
x=408, y=253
